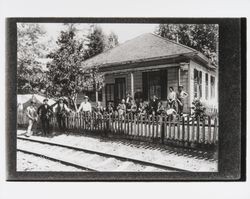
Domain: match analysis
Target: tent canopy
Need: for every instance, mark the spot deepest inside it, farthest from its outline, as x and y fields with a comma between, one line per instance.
x=24, y=100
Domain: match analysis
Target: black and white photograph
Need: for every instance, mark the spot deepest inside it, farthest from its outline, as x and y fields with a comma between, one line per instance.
x=124, y=99
x=117, y=97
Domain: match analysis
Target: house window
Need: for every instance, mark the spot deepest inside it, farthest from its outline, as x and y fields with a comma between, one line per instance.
x=154, y=84
x=109, y=93
x=206, y=86
x=212, y=87
x=200, y=83
x=197, y=84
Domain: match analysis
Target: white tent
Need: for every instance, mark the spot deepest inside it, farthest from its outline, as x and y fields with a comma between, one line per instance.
x=24, y=100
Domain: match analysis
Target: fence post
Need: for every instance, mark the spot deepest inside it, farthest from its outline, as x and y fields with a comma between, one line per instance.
x=178, y=129
x=170, y=128
x=146, y=125
x=198, y=129
x=158, y=122
x=209, y=130
x=193, y=130
x=174, y=123
x=183, y=129
x=141, y=120
x=162, y=130
x=152, y=124
x=188, y=128
x=215, y=130
x=203, y=131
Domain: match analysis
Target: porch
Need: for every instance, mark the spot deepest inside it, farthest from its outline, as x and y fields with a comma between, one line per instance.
x=144, y=82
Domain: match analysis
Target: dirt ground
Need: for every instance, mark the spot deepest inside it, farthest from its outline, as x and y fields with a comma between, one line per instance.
x=187, y=159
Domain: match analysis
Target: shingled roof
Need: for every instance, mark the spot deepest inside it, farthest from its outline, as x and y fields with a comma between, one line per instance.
x=144, y=47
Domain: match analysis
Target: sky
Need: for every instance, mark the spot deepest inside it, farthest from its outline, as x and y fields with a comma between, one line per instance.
x=124, y=31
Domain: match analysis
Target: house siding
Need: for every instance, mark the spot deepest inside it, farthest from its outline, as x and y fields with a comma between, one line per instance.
x=210, y=102
x=185, y=84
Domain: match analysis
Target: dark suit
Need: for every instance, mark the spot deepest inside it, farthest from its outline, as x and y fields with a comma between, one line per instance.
x=153, y=105
x=45, y=112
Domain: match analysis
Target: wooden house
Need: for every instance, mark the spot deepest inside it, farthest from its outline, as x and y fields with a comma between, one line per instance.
x=150, y=64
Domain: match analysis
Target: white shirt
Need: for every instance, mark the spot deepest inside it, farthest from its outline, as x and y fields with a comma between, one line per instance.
x=172, y=96
x=31, y=112
x=85, y=106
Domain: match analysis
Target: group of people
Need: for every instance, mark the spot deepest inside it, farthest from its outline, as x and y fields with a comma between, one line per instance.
x=175, y=104
x=45, y=112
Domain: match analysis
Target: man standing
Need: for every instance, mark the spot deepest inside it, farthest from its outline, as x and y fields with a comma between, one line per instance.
x=85, y=106
x=128, y=101
x=45, y=112
x=61, y=112
x=121, y=108
x=181, y=95
x=171, y=98
x=32, y=116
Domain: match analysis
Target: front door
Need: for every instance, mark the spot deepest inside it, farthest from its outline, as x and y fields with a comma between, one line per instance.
x=120, y=90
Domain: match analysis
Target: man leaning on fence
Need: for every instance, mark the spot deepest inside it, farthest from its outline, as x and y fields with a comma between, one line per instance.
x=85, y=106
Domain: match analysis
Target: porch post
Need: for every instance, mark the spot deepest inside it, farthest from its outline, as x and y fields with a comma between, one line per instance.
x=179, y=76
x=132, y=84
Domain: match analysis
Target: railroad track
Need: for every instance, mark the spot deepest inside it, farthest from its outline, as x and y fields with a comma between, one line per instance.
x=63, y=162
x=87, y=159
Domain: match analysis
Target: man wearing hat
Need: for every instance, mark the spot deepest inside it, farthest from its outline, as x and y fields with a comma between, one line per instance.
x=45, y=112
x=32, y=116
x=85, y=105
x=181, y=95
x=62, y=111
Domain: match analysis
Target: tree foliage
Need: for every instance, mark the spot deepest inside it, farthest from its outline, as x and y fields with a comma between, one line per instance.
x=97, y=42
x=30, y=50
x=65, y=75
x=111, y=41
x=202, y=37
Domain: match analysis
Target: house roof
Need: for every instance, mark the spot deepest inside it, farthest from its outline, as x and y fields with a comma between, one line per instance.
x=147, y=46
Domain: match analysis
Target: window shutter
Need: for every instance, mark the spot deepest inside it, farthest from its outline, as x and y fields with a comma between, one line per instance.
x=164, y=82
x=145, y=85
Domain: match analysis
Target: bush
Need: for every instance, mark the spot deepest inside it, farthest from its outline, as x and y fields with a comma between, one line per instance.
x=198, y=109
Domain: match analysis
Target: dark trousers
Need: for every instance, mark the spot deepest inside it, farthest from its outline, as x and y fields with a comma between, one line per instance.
x=172, y=104
x=180, y=109
x=61, y=122
x=45, y=126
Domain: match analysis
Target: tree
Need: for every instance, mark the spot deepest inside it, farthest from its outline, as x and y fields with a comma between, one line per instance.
x=202, y=37
x=97, y=42
x=29, y=50
x=65, y=75
x=111, y=41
